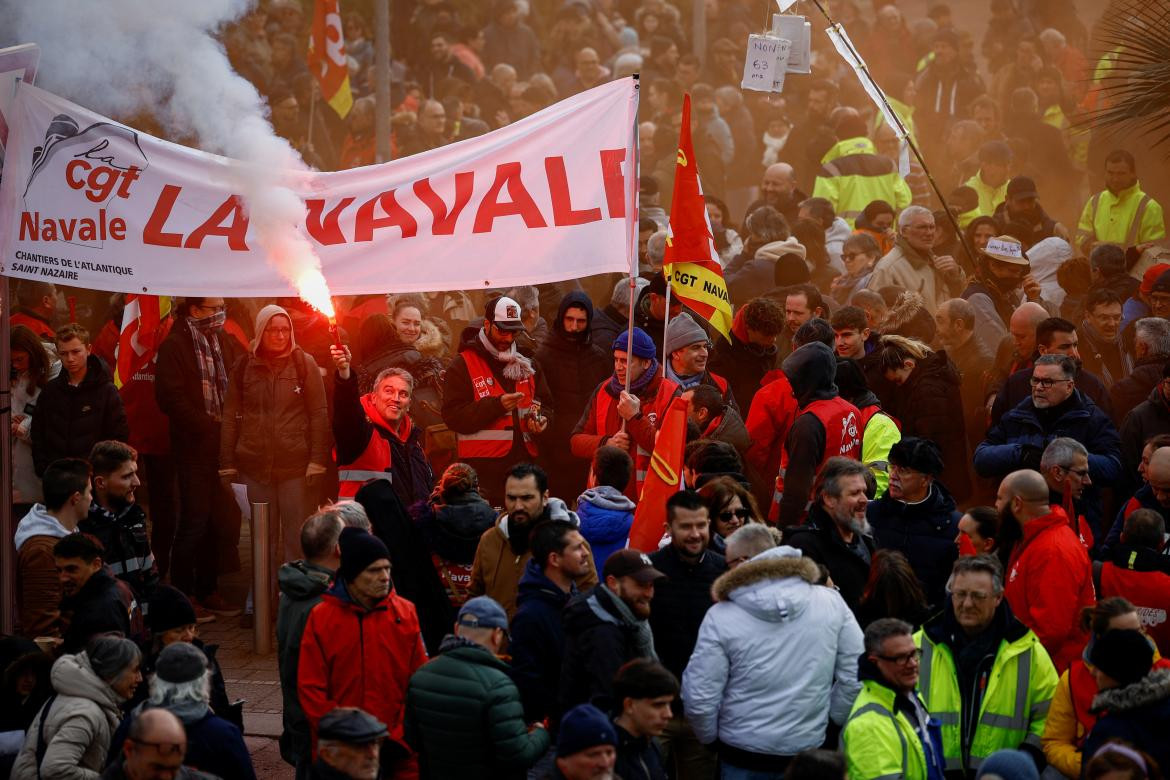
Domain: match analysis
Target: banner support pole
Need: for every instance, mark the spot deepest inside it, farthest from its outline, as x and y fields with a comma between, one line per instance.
x=382, y=79
x=665, y=322
x=635, y=201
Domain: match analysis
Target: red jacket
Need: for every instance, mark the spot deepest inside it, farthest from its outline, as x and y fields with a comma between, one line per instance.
x=772, y=413
x=1049, y=579
x=351, y=657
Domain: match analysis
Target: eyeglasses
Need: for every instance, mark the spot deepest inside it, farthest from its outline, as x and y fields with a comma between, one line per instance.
x=1082, y=473
x=163, y=748
x=1045, y=383
x=913, y=657
x=213, y=309
x=727, y=514
x=977, y=596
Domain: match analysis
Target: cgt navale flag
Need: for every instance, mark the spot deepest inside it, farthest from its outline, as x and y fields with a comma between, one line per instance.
x=663, y=478
x=691, y=261
x=327, y=56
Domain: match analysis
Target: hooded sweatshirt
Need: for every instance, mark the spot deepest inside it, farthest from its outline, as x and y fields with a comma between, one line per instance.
x=606, y=516
x=40, y=589
x=301, y=586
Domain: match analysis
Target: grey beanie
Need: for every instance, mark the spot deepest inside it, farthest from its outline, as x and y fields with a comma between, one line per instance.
x=109, y=656
x=180, y=662
x=682, y=331
x=620, y=299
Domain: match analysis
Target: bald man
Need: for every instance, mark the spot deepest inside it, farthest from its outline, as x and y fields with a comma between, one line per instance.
x=1049, y=576
x=154, y=749
x=778, y=189
x=1155, y=495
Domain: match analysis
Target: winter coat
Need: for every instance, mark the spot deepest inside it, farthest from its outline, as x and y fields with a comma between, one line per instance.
x=598, y=641
x=607, y=325
x=70, y=420
x=214, y=745
x=924, y=532
x=25, y=483
x=929, y=405
x=772, y=652
x=772, y=413
x=591, y=433
x=1017, y=389
x=78, y=725
x=538, y=641
x=414, y=575
x=127, y=546
x=1049, y=579
x=275, y=417
x=606, y=516
x=463, y=716
x=1148, y=419
x=638, y=758
x=451, y=527
x=1138, y=714
x=820, y=541
x=195, y=435
x=973, y=361
x=742, y=363
x=38, y=586
x=424, y=368
x=412, y=478
x=680, y=602
x=1020, y=433
x=944, y=95
x=99, y=607
x=302, y=585
x=354, y=657
x=497, y=570
x=1135, y=387
x=905, y=267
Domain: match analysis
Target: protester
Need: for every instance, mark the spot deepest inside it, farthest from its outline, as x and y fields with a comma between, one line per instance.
x=1151, y=353
x=350, y=741
x=912, y=265
x=36, y=308
x=750, y=353
x=586, y=745
x=93, y=602
x=70, y=737
x=30, y=367
x=156, y=745
x=643, y=692
x=730, y=506
x=1137, y=570
x=1121, y=213
x=606, y=513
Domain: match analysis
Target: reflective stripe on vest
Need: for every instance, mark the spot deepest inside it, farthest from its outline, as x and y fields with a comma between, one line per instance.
x=839, y=418
x=884, y=712
x=372, y=463
x=496, y=440
x=131, y=565
x=1135, y=224
x=360, y=475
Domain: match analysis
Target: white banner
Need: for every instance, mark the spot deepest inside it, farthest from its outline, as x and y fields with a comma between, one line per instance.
x=88, y=202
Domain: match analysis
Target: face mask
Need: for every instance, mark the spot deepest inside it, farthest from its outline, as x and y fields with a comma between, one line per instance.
x=212, y=323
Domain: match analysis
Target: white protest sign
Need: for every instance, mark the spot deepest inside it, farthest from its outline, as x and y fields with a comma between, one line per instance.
x=1004, y=249
x=782, y=53
x=785, y=4
x=17, y=63
x=799, y=31
x=760, y=63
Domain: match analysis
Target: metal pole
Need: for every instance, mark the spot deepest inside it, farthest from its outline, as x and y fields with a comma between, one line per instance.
x=635, y=176
x=699, y=29
x=7, y=521
x=261, y=581
x=382, y=78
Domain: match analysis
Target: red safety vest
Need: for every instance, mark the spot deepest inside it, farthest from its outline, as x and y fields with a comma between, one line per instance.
x=1150, y=593
x=842, y=438
x=601, y=408
x=373, y=463
x=496, y=440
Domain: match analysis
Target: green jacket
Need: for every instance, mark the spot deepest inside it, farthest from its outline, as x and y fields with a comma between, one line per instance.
x=853, y=175
x=464, y=717
x=879, y=740
x=301, y=585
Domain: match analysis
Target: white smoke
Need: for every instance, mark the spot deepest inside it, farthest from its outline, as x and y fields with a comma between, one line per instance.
x=161, y=57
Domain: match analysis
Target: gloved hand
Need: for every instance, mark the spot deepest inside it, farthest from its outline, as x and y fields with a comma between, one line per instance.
x=1030, y=457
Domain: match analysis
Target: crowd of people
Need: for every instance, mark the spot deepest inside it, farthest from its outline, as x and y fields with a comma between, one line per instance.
x=921, y=528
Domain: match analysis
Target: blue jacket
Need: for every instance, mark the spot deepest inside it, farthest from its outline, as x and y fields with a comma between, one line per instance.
x=606, y=515
x=1007, y=445
x=538, y=641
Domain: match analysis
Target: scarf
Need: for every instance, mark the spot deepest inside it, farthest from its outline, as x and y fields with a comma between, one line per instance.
x=615, y=388
x=643, y=637
x=684, y=382
x=516, y=366
x=209, y=358
x=1095, y=338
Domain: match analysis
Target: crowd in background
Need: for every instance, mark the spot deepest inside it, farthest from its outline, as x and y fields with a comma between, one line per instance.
x=922, y=524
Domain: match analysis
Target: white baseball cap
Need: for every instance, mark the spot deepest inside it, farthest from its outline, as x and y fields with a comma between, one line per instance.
x=504, y=313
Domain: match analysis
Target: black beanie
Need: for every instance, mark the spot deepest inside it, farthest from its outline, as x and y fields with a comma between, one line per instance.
x=1124, y=654
x=169, y=608
x=358, y=550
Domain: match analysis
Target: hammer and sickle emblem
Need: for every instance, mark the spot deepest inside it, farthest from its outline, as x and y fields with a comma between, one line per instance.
x=663, y=469
x=682, y=158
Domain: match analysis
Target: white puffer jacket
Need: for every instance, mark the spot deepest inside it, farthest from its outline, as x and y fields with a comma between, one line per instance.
x=772, y=651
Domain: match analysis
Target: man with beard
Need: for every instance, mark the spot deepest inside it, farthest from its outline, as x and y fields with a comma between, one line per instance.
x=802, y=302
x=836, y=534
x=1021, y=207
x=778, y=189
x=492, y=397
x=1055, y=408
x=1050, y=578
x=92, y=603
x=984, y=674
x=575, y=365
x=504, y=549
x=888, y=733
x=750, y=353
x=1101, y=347
x=1003, y=280
x=917, y=515
x=607, y=626
x=680, y=602
x=118, y=522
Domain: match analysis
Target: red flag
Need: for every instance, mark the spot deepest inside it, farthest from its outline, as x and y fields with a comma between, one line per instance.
x=691, y=261
x=140, y=335
x=327, y=56
x=663, y=478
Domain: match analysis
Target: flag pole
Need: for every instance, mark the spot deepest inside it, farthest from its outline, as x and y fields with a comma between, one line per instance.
x=863, y=72
x=312, y=114
x=665, y=321
x=635, y=188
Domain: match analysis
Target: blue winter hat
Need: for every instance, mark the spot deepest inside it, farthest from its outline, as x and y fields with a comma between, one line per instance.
x=643, y=344
x=584, y=727
x=1009, y=765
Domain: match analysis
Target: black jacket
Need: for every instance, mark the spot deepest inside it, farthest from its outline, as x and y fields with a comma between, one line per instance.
x=99, y=607
x=812, y=372
x=1149, y=418
x=924, y=532
x=637, y=757
x=607, y=325
x=70, y=420
x=538, y=641
x=178, y=388
x=1138, y=714
x=820, y=540
x=598, y=641
x=1131, y=390
x=743, y=365
x=680, y=602
x=127, y=546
